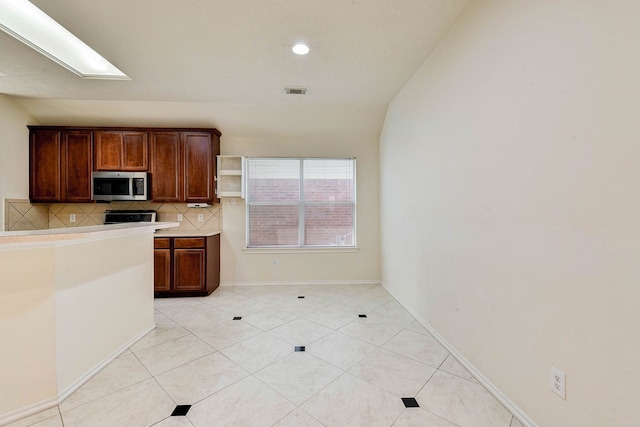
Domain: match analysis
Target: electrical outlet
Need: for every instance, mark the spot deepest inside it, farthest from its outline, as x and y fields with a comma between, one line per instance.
x=275, y=262
x=180, y=218
x=558, y=382
x=72, y=217
x=200, y=217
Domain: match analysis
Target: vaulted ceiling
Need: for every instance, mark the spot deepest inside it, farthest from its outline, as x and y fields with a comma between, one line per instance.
x=225, y=63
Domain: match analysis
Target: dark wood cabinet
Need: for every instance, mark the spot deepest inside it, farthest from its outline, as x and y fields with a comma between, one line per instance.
x=121, y=151
x=199, y=163
x=166, y=170
x=181, y=161
x=183, y=166
x=189, y=266
x=186, y=266
x=45, y=166
x=60, y=166
x=162, y=264
x=76, y=166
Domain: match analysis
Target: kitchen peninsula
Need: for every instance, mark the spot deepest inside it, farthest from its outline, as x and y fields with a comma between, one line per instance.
x=71, y=300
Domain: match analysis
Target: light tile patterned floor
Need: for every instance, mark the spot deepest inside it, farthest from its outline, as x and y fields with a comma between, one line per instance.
x=362, y=354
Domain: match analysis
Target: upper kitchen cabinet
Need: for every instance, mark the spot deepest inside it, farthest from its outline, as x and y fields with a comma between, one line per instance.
x=59, y=165
x=181, y=161
x=120, y=151
x=44, y=165
x=76, y=166
x=199, y=167
x=165, y=167
x=183, y=165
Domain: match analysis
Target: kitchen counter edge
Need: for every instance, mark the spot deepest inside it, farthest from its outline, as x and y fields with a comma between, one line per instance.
x=54, y=235
x=186, y=233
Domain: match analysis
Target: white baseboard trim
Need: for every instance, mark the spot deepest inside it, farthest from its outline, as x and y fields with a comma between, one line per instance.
x=304, y=282
x=501, y=397
x=33, y=409
x=26, y=411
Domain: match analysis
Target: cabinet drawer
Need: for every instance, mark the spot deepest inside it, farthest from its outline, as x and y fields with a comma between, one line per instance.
x=194, y=242
x=161, y=243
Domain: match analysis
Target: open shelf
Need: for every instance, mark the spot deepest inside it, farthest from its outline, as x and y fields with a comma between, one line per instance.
x=230, y=176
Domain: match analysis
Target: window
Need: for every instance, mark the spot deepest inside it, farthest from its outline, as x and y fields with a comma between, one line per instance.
x=300, y=202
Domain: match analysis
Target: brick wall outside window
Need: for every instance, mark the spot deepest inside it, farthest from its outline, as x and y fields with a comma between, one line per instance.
x=275, y=209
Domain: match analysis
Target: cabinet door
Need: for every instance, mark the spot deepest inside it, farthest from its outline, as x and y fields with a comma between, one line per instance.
x=161, y=270
x=135, y=154
x=108, y=151
x=76, y=166
x=44, y=166
x=121, y=151
x=213, y=263
x=198, y=167
x=166, y=171
x=188, y=270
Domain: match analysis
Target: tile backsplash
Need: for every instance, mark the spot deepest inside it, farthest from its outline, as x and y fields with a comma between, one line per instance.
x=22, y=215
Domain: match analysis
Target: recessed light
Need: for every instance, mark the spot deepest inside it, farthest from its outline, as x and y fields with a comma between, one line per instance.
x=300, y=48
x=24, y=21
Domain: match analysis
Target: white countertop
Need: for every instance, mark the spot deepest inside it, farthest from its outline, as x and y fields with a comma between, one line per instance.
x=186, y=233
x=80, y=233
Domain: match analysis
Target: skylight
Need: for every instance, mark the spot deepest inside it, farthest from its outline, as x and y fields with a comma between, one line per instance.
x=24, y=21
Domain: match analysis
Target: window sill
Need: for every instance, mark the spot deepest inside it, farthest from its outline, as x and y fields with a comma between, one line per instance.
x=310, y=250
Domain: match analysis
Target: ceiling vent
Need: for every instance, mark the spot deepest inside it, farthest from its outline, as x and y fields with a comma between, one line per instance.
x=295, y=90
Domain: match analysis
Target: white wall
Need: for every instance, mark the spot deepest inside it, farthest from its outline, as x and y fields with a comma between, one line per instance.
x=14, y=149
x=27, y=330
x=67, y=308
x=238, y=267
x=515, y=155
x=113, y=280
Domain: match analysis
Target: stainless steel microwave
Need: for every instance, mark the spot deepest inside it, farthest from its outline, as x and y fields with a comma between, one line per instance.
x=108, y=186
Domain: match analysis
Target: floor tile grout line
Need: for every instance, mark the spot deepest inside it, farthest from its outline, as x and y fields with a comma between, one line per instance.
x=387, y=391
x=336, y=330
x=190, y=333
x=297, y=408
x=163, y=342
x=112, y=392
x=399, y=415
x=106, y=395
x=307, y=342
x=219, y=350
x=458, y=376
x=206, y=397
x=224, y=388
x=283, y=396
x=416, y=360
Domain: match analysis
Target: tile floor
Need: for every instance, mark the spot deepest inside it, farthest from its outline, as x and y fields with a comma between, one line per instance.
x=340, y=355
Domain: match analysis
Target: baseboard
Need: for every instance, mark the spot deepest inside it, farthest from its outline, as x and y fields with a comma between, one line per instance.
x=304, y=282
x=26, y=411
x=33, y=409
x=87, y=376
x=501, y=397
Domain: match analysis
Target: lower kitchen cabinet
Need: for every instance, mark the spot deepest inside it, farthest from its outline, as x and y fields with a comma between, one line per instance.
x=162, y=265
x=186, y=266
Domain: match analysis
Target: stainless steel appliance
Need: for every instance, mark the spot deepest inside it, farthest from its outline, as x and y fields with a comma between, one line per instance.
x=120, y=216
x=108, y=186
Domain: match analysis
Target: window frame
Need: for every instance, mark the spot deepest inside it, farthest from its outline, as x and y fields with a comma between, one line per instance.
x=301, y=203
